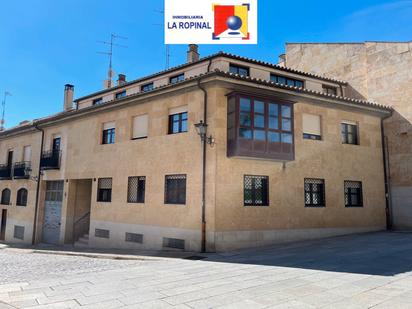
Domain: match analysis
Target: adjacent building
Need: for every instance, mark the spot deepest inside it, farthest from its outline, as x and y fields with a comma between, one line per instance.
x=378, y=72
x=220, y=153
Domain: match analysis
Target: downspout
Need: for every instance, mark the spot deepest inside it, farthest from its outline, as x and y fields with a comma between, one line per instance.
x=36, y=207
x=386, y=172
x=204, y=145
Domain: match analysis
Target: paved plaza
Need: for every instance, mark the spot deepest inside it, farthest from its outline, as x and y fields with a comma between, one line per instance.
x=359, y=271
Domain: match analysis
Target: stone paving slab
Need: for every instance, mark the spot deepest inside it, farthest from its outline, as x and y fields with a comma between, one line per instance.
x=358, y=271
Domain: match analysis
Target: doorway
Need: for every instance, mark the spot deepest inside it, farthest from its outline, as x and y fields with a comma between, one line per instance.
x=3, y=225
x=53, y=212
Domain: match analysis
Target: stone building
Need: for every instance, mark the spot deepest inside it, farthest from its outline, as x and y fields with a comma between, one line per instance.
x=220, y=153
x=379, y=72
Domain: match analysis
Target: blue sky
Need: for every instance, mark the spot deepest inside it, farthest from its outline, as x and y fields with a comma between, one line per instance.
x=45, y=44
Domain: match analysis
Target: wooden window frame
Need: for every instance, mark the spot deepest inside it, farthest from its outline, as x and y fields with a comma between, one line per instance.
x=239, y=146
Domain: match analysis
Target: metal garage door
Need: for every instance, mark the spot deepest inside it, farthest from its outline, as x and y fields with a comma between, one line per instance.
x=52, y=212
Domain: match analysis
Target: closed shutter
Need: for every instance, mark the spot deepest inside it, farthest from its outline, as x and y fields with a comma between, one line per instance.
x=27, y=153
x=311, y=124
x=109, y=125
x=140, y=126
x=178, y=110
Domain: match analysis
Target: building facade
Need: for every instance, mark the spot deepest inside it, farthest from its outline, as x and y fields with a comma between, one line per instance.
x=379, y=72
x=220, y=153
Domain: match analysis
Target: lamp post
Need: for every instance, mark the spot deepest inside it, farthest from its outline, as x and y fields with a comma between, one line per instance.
x=3, y=105
x=201, y=129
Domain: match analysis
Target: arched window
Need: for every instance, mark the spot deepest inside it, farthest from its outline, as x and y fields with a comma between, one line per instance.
x=21, y=197
x=5, y=197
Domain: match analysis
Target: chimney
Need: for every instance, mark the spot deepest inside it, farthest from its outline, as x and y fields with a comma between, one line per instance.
x=192, y=53
x=282, y=60
x=121, y=79
x=68, y=97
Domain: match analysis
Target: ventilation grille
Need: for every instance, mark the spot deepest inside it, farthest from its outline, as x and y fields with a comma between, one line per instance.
x=102, y=233
x=19, y=232
x=132, y=237
x=174, y=243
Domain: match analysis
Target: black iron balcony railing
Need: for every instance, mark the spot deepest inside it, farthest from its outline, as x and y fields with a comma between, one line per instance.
x=5, y=171
x=50, y=160
x=21, y=170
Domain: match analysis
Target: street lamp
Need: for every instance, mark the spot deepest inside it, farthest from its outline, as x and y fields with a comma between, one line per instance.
x=201, y=129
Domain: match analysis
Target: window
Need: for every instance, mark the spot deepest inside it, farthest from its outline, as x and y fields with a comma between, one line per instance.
x=286, y=80
x=121, y=94
x=353, y=193
x=349, y=133
x=177, y=78
x=236, y=69
x=26, y=153
x=97, y=101
x=311, y=126
x=21, y=197
x=329, y=90
x=140, y=126
x=178, y=120
x=104, y=190
x=18, y=232
x=260, y=128
x=256, y=190
x=109, y=133
x=175, y=189
x=147, y=87
x=5, y=196
x=314, y=192
x=54, y=191
x=136, y=189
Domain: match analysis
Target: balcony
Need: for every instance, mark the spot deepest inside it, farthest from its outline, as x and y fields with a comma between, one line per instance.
x=5, y=171
x=21, y=170
x=50, y=160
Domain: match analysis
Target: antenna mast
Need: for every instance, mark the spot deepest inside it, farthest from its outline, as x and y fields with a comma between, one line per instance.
x=167, y=53
x=109, y=53
x=3, y=105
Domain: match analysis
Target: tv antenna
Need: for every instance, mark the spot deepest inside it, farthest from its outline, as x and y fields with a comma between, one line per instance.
x=3, y=105
x=167, y=62
x=109, y=53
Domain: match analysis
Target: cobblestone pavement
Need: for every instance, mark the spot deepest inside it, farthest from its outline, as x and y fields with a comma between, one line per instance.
x=359, y=271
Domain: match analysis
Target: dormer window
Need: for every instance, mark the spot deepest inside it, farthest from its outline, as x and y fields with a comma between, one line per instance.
x=121, y=94
x=279, y=79
x=177, y=78
x=236, y=69
x=147, y=87
x=329, y=90
x=97, y=101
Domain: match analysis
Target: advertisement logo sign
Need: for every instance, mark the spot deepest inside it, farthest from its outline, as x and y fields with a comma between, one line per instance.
x=211, y=22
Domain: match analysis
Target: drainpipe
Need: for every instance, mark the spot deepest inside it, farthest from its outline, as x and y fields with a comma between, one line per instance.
x=204, y=145
x=36, y=207
x=386, y=172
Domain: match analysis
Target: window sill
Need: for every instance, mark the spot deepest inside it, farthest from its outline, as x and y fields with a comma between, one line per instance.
x=134, y=203
x=315, y=206
x=255, y=206
x=137, y=138
x=350, y=144
x=174, y=204
x=177, y=133
x=353, y=206
x=104, y=202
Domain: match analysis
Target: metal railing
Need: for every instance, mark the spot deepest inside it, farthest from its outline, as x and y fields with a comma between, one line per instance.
x=50, y=159
x=5, y=171
x=81, y=226
x=21, y=170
